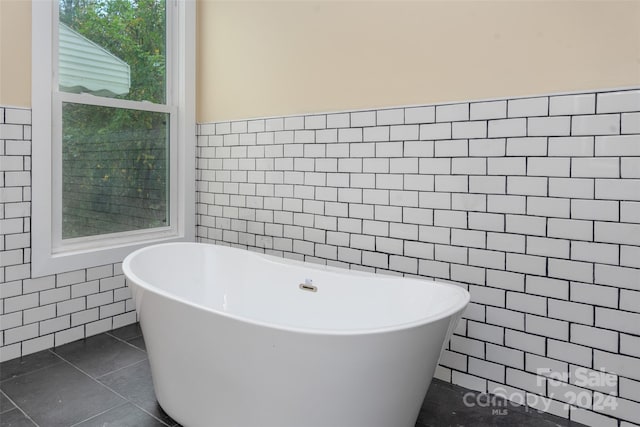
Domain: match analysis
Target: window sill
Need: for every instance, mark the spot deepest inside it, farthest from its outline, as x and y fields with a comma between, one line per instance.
x=93, y=254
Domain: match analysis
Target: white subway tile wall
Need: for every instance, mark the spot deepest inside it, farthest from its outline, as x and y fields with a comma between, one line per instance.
x=42, y=312
x=532, y=204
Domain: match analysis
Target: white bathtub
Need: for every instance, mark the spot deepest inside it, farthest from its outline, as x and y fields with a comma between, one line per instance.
x=234, y=340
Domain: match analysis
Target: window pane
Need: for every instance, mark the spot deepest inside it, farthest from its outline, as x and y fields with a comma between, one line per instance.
x=113, y=48
x=115, y=170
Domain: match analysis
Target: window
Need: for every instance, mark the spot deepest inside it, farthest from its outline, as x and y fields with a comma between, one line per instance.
x=113, y=129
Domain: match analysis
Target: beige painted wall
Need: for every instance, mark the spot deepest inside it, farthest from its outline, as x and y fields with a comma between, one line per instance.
x=286, y=57
x=15, y=53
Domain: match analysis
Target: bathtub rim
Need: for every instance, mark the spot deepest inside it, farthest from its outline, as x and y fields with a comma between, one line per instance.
x=460, y=303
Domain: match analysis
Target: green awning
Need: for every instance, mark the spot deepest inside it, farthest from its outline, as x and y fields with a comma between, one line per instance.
x=85, y=67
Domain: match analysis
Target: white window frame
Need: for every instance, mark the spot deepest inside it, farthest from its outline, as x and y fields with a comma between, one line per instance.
x=49, y=253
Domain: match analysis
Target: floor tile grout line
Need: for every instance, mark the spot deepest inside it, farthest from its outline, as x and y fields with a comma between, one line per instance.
x=18, y=408
x=101, y=413
x=127, y=342
x=15, y=404
x=120, y=338
x=137, y=322
x=112, y=390
x=63, y=360
x=128, y=366
x=94, y=379
x=131, y=345
x=121, y=368
x=10, y=400
x=127, y=401
x=153, y=416
x=109, y=388
x=106, y=373
x=35, y=370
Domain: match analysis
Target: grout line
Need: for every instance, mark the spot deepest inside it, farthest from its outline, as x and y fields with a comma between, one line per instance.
x=127, y=400
x=127, y=342
x=120, y=369
x=35, y=370
x=112, y=390
x=98, y=414
x=19, y=409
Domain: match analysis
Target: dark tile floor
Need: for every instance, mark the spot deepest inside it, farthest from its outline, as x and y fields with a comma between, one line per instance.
x=105, y=381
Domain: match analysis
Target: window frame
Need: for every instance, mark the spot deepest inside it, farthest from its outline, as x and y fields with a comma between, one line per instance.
x=50, y=254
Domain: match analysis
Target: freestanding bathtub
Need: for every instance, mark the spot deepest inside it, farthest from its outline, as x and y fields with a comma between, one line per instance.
x=241, y=339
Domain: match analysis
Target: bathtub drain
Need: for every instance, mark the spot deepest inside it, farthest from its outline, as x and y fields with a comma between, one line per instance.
x=308, y=287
